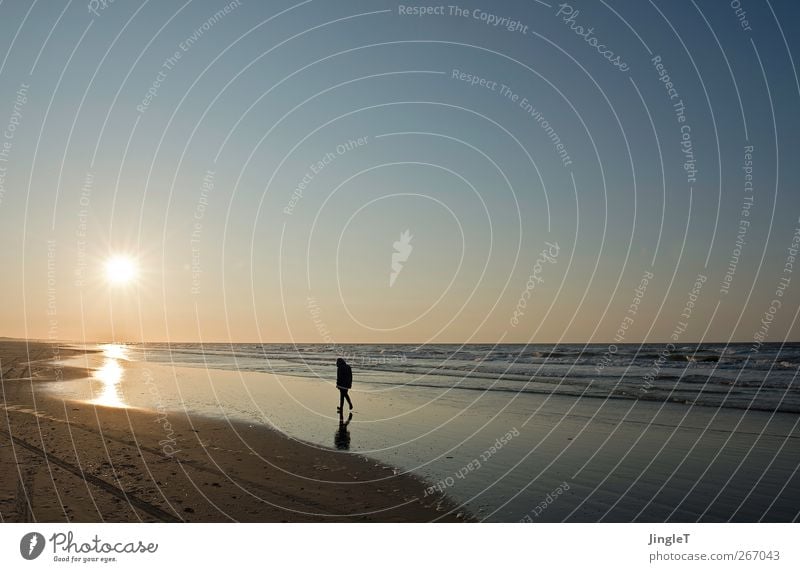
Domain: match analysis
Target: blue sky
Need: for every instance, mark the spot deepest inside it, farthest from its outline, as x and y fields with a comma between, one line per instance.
x=268, y=89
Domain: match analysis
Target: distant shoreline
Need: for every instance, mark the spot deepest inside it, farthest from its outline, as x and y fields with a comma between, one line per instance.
x=420, y=344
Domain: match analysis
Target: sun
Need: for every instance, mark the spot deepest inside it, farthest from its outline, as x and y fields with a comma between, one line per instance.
x=121, y=269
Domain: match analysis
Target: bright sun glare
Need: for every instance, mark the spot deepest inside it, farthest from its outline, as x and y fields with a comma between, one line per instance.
x=120, y=269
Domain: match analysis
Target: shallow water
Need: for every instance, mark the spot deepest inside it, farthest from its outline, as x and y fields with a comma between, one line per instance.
x=502, y=453
x=738, y=376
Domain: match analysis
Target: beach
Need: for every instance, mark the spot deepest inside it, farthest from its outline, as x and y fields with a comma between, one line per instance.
x=137, y=432
x=64, y=460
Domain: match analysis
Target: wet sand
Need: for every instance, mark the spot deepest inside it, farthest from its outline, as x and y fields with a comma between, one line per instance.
x=160, y=441
x=63, y=460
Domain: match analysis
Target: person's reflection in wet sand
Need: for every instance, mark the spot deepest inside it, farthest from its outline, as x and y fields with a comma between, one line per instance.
x=342, y=437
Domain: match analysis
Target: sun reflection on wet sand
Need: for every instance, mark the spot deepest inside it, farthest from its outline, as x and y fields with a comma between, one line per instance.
x=115, y=351
x=110, y=376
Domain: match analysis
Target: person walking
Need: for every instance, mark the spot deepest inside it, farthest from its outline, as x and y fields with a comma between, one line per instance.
x=344, y=381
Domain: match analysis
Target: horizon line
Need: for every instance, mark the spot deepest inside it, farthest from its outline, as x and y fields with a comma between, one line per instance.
x=333, y=346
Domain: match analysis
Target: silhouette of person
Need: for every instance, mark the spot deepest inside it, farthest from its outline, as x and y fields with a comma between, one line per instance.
x=342, y=437
x=344, y=381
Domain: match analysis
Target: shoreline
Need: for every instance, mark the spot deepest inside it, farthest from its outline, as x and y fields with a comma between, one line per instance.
x=217, y=441
x=64, y=460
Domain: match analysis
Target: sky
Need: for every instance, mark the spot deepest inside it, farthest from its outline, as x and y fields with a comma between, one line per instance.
x=372, y=171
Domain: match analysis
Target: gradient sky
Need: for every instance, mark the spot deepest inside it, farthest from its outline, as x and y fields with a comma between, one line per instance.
x=271, y=88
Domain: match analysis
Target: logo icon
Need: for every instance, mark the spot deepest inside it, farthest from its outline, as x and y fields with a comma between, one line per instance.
x=402, y=251
x=31, y=545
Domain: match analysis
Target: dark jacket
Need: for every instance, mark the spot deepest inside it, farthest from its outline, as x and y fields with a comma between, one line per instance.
x=344, y=376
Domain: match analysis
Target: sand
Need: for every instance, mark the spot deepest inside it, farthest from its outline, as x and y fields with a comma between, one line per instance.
x=562, y=458
x=63, y=460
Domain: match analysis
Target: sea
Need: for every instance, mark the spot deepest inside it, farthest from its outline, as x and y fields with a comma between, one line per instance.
x=513, y=432
x=736, y=376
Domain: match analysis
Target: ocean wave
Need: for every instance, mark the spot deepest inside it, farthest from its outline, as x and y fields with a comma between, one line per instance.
x=729, y=376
